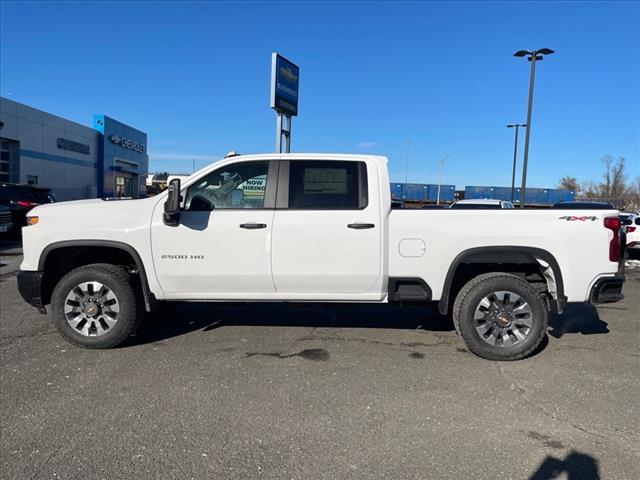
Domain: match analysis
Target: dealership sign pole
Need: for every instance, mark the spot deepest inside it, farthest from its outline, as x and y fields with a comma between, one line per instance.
x=285, y=77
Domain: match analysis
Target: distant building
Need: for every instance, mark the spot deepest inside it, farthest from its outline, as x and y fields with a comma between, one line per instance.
x=76, y=161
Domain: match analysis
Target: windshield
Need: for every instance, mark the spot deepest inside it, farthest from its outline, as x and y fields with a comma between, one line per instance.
x=44, y=196
x=11, y=193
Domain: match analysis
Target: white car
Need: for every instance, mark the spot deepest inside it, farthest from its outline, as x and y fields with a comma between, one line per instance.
x=631, y=225
x=313, y=228
x=481, y=203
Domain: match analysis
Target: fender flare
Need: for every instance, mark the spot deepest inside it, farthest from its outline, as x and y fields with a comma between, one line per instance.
x=532, y=252
x=150, y=300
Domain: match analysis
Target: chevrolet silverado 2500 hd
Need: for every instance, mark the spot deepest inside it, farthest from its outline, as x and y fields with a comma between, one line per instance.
x=314, y=228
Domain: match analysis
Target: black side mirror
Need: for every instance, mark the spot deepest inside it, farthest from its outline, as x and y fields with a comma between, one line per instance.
x=172, y=205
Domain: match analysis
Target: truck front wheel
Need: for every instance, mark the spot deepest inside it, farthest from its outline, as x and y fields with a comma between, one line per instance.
x=95, y=306
x=500, y=316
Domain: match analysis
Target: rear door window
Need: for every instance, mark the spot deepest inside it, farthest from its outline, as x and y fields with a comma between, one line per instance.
x=327, y=185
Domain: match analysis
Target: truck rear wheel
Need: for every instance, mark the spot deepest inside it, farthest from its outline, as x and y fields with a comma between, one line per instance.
x=500, y=316
x=95, y=306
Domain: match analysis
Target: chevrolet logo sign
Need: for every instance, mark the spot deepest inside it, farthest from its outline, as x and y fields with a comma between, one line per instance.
x=127, y=143
x=287, y=73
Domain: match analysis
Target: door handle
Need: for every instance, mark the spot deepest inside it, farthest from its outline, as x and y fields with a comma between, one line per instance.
x=253, y=226
x=360, y=226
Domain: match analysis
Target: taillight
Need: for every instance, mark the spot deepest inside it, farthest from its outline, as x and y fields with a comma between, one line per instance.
x=614, y=224
x=26, y=204
x=631, y=229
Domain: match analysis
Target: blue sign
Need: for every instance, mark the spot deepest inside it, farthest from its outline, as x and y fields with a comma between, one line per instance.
x=285, y=78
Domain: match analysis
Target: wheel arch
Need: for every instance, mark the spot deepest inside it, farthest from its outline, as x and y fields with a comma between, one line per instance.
x=74, y=249
x=506, y=255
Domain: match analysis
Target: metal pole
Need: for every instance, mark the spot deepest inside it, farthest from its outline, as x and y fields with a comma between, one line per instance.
x=515, y=156
x=523, y=193
x=279, y=133
x=406, y=166
x=288, y=135
x=440, y=180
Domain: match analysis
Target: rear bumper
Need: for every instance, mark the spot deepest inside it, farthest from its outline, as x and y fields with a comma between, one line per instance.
x=30, y=288
x=607, y=290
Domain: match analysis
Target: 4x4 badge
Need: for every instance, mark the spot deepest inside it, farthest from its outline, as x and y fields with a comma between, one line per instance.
x=573, y=218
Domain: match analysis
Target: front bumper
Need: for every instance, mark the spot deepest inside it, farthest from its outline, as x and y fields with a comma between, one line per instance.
x=607, y=290
x=30, y=288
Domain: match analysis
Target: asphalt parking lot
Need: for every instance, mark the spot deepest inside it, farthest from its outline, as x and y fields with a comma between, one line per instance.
x=317, y=392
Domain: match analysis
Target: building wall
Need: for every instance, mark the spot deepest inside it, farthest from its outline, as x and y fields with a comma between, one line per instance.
x=71, y=174
x=74, y=160
x=123, y=154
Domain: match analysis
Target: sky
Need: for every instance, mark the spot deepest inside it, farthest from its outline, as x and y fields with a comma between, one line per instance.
x=195, y=76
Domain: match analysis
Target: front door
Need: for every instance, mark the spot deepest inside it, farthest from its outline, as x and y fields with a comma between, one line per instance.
x=222, y=247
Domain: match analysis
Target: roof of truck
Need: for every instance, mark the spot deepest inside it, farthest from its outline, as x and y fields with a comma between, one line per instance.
x=319, y=156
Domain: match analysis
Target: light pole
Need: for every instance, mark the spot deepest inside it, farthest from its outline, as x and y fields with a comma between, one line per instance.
x=440, y=180
x=406, y=166
x=533, y=56
x=515, y=156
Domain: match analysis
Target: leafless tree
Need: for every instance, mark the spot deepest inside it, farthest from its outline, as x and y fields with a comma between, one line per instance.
x=614, y=177
x=569, y=183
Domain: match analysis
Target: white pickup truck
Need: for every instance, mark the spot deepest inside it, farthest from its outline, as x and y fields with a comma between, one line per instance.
x=314, y=228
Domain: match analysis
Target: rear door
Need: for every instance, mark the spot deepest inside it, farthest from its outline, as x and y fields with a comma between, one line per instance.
x=327, y=229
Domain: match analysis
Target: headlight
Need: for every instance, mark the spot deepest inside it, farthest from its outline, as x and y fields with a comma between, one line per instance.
x=32, y=219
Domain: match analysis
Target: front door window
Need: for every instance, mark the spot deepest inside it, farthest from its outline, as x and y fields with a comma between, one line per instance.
x=242, y=185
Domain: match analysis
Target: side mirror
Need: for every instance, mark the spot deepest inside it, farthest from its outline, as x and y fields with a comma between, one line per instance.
x=171, y=215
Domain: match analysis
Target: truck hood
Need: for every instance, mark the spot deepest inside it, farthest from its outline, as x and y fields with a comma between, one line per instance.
x=96, y=217
x=96, y=204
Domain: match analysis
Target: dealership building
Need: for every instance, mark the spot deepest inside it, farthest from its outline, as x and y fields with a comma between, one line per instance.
x=108, y=159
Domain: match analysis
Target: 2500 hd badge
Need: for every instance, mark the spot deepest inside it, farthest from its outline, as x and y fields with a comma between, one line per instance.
x=182, y=257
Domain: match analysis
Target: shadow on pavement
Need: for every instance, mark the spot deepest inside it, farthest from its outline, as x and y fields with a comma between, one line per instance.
x=7, y=244
x=172, y=320
x=576, y=466
x=175, y=319
x=578, y=318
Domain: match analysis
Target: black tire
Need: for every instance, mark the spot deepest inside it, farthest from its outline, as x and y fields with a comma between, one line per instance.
x=119, y=281
x=485, y=286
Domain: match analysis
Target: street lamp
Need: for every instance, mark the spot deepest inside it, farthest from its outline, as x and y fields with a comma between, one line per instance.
x=406, y=166
x=532, y=56
x=515, y=156
x=440, y=180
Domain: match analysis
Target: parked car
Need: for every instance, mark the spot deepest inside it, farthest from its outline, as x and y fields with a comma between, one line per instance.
x=576, y=205
x=20, y=199
x=313, y=228
x=6, y=224
x=481, y=203
x=631, y=226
